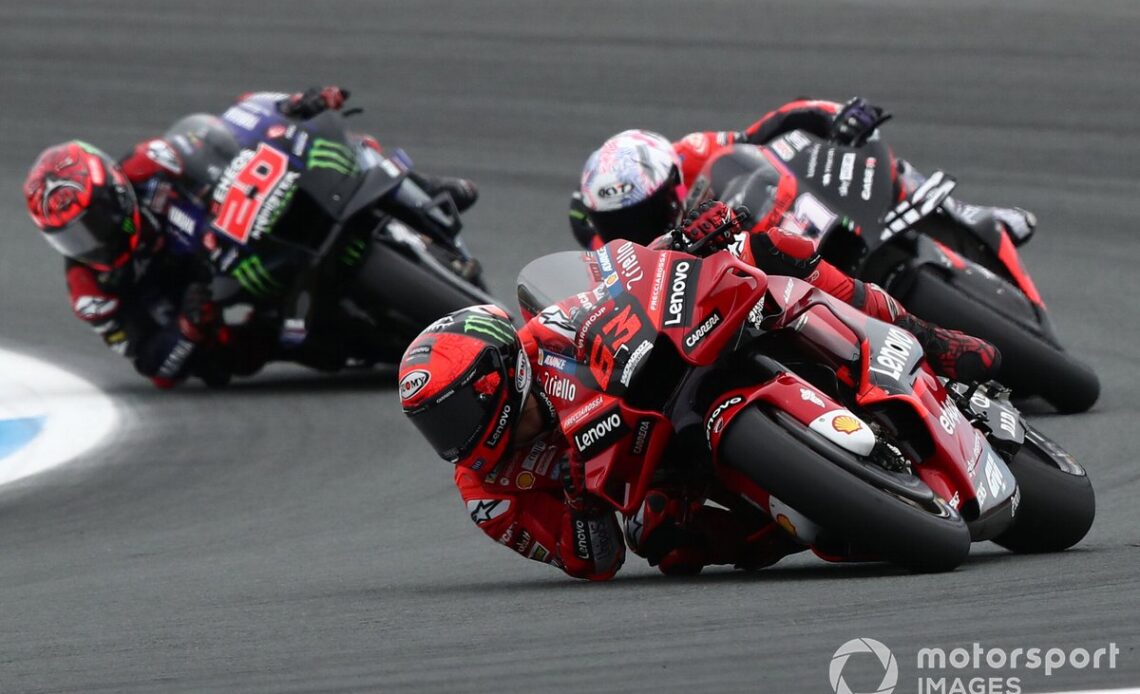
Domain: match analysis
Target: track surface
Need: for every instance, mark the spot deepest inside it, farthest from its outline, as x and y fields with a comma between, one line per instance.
x=293, y=534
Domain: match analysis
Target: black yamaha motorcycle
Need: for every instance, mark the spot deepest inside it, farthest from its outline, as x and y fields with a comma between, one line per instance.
x=334, y=247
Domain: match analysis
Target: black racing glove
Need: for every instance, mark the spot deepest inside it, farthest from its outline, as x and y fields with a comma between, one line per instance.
x=314, y=100
x=856, y=121
x=198, y=316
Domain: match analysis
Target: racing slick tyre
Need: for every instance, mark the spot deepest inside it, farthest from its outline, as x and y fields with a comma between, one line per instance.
x=807, y=478
x=1057, y=503
x=1029, y=364
x=404, y=295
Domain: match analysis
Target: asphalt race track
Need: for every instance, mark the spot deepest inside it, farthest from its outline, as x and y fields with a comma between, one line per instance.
x=293, y=534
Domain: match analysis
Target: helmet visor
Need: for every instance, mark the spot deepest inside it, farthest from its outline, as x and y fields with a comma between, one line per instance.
x=642, y=222
x=97, y=237
x=453, y=421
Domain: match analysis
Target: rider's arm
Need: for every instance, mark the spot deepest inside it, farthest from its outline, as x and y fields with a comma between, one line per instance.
x=163, y=354
x=811, y=115
x=539, y=525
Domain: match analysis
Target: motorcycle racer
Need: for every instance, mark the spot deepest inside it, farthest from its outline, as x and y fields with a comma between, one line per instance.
x=634, y=184
x=113, y=222
x=467, y=383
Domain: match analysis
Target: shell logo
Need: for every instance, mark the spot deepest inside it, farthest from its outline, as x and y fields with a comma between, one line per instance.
x=846, y=424
x=525, y=480
x=786, y=523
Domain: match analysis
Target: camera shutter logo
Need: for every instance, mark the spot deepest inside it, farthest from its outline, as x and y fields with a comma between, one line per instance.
x=856, y=646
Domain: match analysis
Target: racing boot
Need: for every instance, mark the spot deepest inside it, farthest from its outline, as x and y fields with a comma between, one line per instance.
x=680, y=536
x=951, y=353
x=1018, y=222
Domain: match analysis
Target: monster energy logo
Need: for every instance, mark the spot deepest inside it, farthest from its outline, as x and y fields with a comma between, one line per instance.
x=326, y=154
x=495, y=328
x=353, y=252
x=253, y=276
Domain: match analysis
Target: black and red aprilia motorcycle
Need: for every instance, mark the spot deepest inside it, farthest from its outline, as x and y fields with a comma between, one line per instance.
x=789, y=403
x=949, y=262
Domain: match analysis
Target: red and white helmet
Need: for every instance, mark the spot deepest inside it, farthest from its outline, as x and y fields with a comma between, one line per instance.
x=630, y=186
x=463, y=383
x=84, y=204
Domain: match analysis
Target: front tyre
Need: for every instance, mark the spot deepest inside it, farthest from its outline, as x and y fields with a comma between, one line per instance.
x=1057, y=505
x=803, y=476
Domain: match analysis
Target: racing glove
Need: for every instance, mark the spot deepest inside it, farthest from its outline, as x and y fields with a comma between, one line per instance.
x=198, y=316
x=591, y=538
x=314, y=100
x=712, y=220
x=856, y=121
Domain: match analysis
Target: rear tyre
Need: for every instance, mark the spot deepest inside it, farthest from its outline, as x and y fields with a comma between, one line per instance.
x=1029, y=365
x=403, y=295
x=920, y=539
x=1057, y=508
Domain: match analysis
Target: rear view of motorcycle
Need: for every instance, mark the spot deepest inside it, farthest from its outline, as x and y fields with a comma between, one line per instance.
x=806, y=411
x=327, y=241
x=949, y=262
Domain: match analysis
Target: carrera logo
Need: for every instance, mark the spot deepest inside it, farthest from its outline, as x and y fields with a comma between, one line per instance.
x=675, y=309
x=693, y=339
x=892, y=357
x=600, y=434
x=413, y=382
x=615, y=190
x=644, y=428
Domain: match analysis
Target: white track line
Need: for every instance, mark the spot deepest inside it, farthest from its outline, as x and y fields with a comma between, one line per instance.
x=77, y=415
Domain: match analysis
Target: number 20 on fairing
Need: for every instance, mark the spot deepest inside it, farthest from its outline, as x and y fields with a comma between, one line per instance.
x=248, y=192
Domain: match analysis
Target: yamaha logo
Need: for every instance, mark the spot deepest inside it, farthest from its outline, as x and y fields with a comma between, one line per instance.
x=412, y=383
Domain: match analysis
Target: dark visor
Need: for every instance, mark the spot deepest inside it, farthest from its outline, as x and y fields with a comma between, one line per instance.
x=453, y=422
x=96, y=237
x=643, y=222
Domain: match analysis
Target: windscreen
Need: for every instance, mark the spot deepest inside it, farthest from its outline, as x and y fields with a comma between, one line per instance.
x=551, y=278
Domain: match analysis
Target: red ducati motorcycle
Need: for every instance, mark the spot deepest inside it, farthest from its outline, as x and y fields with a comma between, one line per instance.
x=786, y=403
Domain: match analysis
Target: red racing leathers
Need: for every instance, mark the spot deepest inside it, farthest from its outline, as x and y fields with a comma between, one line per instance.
x=773, y=250
x=521, y=501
